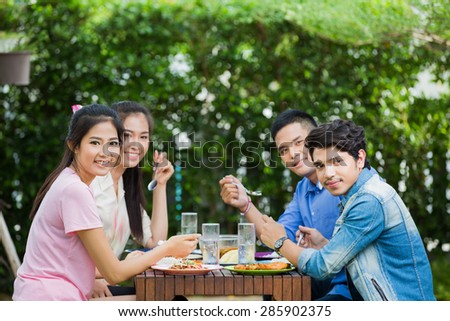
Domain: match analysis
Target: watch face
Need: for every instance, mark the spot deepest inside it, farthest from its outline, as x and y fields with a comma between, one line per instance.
x=279, y=243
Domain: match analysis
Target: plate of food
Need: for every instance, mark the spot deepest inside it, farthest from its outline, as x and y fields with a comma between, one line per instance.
x=271, y=268
x=186, y=267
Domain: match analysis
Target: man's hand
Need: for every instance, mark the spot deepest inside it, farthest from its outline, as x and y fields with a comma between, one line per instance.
x=271, y=231
x=233, y=195
x=312, y=238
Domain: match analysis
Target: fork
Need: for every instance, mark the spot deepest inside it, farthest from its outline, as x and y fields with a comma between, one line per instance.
x=253, y=193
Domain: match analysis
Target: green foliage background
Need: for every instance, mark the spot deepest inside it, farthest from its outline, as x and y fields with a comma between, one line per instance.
x=243, y=62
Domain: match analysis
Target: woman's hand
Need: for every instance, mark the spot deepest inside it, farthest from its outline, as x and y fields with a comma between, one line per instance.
x=181, y=245
x=165, y=168
x=312, y=238
x=101, y=289
x=134, y=254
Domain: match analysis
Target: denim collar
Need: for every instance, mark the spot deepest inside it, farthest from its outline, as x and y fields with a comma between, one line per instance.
x=363, y=177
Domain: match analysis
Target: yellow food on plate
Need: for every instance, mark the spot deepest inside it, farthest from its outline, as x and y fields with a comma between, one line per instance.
x=224, y=250
x=231, y=257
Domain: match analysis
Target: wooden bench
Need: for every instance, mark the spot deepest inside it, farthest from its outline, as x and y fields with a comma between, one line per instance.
x=156, y=286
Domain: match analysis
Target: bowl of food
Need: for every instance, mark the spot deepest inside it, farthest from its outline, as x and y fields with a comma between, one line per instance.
x=227, y=242
x=228, y=246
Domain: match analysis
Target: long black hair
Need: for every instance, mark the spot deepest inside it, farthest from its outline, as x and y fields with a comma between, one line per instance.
x=80, y=124
x=132, y=177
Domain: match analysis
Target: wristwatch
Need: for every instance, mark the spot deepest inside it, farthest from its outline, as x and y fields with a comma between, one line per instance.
x=279, y=244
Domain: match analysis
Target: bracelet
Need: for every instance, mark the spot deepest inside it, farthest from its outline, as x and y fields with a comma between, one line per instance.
x=249, y=203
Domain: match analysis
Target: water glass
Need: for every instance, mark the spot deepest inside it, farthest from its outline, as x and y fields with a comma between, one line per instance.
x=210, y=243
x=246, y=243
x=188, y=223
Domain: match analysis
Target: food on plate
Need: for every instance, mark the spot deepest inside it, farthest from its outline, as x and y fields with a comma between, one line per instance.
x=263, y=266
x=225, y=250
x=230, y=257
x=168, y=260
x=186, y=264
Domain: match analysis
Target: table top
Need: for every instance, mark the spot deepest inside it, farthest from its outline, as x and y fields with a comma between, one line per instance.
x=155, y=285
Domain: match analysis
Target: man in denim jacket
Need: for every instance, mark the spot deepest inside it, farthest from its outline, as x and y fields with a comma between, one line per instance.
x=375, y=237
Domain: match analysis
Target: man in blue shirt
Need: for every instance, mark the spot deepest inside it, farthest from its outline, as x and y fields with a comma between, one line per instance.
x=375, y=237
x=312, y=205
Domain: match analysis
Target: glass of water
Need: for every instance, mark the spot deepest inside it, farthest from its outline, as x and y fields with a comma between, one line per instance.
x=188, y=223
x=210, y=243
x=246, y=243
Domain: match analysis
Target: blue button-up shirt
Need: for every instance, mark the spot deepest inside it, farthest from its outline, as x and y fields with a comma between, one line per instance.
x=313, y=206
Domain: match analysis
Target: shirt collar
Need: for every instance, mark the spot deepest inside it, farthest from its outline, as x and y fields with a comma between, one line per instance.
x=105, y=181
x=312, y=188
x=363, y=177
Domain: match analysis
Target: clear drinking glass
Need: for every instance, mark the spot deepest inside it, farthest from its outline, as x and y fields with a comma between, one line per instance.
x=210, y=243
x=246, y=243
x=188, y=223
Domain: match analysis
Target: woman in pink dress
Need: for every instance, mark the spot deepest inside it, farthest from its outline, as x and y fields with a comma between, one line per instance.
x=66, y=240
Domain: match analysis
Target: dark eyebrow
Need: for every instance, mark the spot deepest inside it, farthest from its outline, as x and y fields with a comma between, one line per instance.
x=98, y=138
x=284, y=144
x=317, y=163
x=131, y=131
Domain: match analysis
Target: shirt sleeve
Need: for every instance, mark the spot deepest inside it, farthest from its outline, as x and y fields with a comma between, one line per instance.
x=78, y=209
x=363, y=223
x=291, y=218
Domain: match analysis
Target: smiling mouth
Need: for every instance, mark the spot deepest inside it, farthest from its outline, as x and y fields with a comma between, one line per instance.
x=333, y=183
x=297, y=163
x=103, y=163
x=135, y=154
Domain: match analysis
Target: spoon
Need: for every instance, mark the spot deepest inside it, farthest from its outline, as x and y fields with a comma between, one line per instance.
x=300, y=238
x=253, y=193
x=152, y=185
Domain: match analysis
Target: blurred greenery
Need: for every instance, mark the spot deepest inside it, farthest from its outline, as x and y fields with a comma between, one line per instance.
x=220, y=71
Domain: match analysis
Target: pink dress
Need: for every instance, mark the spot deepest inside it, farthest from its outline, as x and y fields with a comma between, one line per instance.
x=56, y=265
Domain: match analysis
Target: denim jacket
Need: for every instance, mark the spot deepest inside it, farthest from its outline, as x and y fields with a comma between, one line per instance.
x=376, y=239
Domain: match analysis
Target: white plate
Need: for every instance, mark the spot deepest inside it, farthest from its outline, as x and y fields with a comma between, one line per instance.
x=166, y=269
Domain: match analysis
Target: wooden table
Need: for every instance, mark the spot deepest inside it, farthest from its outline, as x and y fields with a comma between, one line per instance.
x=156, y=286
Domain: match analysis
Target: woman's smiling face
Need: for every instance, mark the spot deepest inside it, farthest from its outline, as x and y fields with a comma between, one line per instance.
x=136, y=139
x=98, y=151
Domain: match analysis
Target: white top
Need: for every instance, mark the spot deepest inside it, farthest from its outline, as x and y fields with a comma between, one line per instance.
x=56, y=264
x=114, y=215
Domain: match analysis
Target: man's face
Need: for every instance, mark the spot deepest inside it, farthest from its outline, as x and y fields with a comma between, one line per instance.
x=290, y=141
x=337, y=171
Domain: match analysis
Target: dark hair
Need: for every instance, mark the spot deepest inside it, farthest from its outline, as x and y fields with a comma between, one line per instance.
x=344, y=135
x=80, y=124
x=292, y=116
x=132, y=177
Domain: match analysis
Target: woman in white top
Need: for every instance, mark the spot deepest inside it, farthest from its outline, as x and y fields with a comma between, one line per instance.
x=120, y=196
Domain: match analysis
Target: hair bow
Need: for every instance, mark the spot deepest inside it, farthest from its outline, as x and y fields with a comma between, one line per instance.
x=76, y=108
